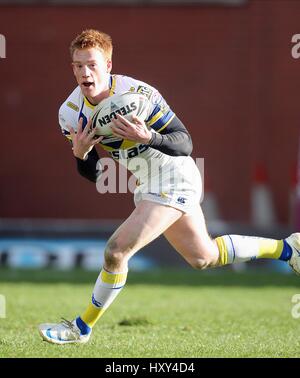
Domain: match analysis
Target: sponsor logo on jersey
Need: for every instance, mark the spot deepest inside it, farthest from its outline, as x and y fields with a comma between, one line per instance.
x=145, y=91
x=116, y=110
x=181, y=200
x=130, y=152
x=73, y=106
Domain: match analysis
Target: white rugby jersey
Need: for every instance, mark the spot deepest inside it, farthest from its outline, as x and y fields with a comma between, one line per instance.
x=77, y=106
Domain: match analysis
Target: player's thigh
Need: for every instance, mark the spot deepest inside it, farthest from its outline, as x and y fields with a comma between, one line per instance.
x=146, y=222
x=190, y=238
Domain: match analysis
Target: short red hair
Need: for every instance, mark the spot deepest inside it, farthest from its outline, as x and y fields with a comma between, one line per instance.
x=91, y=38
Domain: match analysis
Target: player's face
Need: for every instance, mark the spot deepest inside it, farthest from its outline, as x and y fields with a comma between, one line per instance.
x=92, y=72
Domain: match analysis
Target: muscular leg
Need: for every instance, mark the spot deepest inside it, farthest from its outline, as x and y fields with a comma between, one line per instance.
x=146, y=223
x=190, y=238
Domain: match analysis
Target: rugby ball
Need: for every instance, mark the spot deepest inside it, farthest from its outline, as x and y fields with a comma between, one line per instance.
x=127, y=104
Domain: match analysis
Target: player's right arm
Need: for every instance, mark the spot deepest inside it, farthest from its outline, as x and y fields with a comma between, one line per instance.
x=83, y=142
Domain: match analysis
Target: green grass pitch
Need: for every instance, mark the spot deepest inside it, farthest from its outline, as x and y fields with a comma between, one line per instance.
x=159, y=314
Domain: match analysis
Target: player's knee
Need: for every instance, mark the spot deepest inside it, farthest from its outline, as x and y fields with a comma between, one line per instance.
x=201, y=263
x=115, y=252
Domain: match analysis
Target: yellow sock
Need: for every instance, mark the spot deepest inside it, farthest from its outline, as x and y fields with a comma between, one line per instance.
x=107, y=287
x=270, y=248
x=237, y=248
x=223, y=253
x=92, y=314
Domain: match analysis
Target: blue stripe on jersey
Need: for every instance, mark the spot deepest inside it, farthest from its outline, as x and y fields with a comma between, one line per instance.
x=155, y=111
x=81, y=115
x=162, y=121
x=115, y=144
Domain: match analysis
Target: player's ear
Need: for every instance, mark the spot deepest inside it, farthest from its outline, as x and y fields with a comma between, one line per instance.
x=109, y=65
x=73, y=67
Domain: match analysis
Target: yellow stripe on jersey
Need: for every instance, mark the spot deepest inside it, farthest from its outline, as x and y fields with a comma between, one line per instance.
x=113, y=85
x=122, y=144
x=88, y=104
x=166, y=124
x=128, y=144
x=161, y=119
x=155, y=118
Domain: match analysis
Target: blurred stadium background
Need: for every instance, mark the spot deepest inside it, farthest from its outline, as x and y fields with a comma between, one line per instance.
x=224, y=66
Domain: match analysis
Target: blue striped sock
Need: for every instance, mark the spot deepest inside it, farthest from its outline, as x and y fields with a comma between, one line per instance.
x=286, y=253
x=84, y=328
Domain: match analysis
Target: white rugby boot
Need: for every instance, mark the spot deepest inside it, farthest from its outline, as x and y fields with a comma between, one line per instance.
x=65, y=332
x=294, y=242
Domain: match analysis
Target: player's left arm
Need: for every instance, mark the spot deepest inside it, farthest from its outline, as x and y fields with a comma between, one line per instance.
x=162, y=129
x=174, y=139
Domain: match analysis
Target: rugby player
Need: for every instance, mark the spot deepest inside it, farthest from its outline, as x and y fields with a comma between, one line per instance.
x=171, y=207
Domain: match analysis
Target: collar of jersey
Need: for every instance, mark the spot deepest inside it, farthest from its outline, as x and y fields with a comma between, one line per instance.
x=112, y=85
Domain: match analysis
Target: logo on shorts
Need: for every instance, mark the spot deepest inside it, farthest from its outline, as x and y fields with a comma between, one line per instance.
x=181, y=200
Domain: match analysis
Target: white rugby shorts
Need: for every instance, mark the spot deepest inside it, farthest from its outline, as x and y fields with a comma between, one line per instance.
x=178, y=184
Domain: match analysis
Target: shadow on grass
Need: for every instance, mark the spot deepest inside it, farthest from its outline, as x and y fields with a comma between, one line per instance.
x=184, y=277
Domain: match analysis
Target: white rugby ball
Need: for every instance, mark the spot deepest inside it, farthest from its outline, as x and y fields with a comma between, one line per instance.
x=127, y=104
